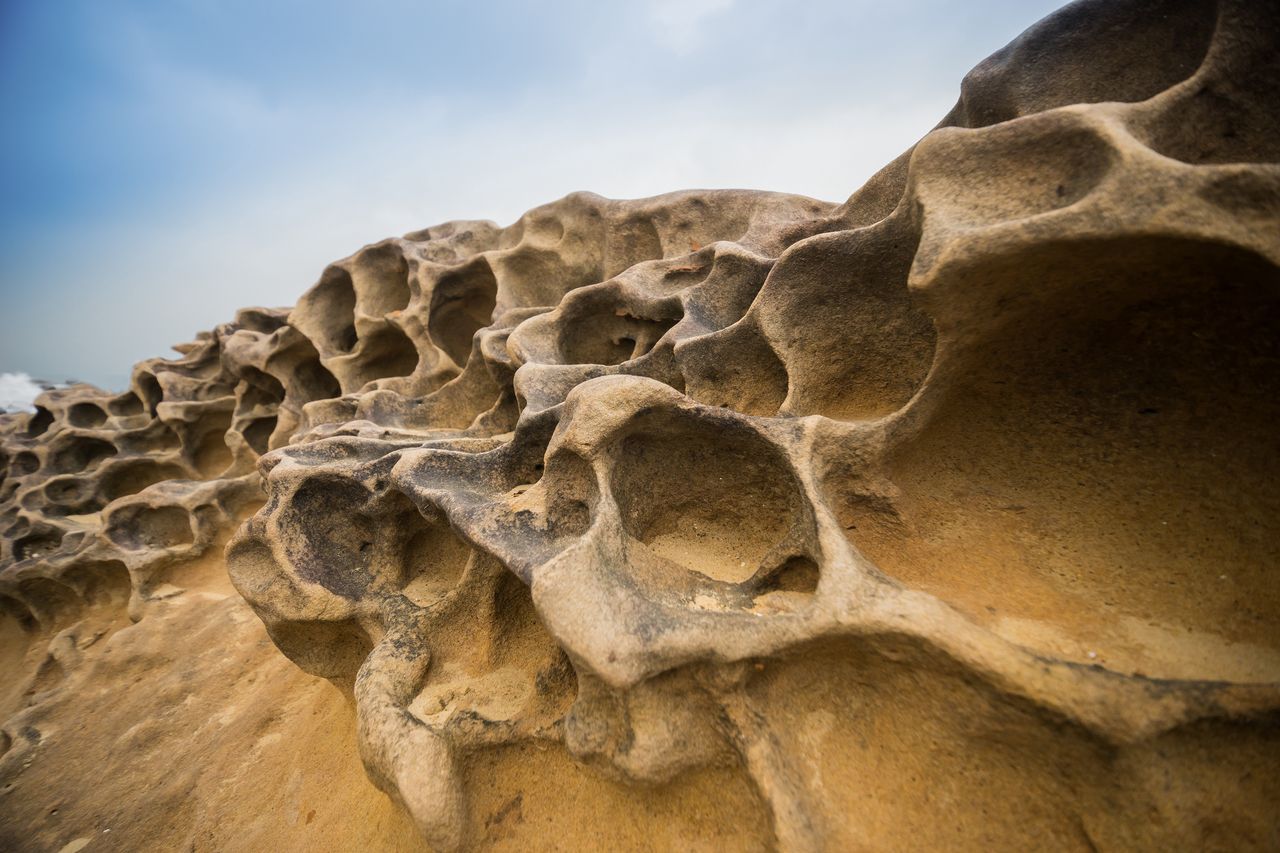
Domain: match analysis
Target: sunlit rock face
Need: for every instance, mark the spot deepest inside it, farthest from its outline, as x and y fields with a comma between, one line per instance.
x=948, y=517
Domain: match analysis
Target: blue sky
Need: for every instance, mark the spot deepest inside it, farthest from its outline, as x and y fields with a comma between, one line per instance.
x=163, y=163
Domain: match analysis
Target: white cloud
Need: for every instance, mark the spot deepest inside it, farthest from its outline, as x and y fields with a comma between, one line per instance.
x=309, y=176
x=678, y=23
x=163, y=276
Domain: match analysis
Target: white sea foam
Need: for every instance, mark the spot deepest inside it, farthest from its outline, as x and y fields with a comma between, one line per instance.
x=18, y=392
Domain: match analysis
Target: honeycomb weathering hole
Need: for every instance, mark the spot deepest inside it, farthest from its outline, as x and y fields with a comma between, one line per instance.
x=151, y=527
x=1037, y=165
x=54, y=598
x=103, y=582
x=212, y=455
x=126, y=404
x=262, y=388
x=130, y=476
x=1100, y=479
x=509, y=669
x=462, y=303
x=37, y=545
x=434, y=561
x=24, y=463
x=327, y=313
x=866, y=347
x=735, y=369
x=714, y=498
x=80, y=454
x=71, y=496
x=39, y=423
x=386, y=353
x=329, y=649
x=334, y=544
x=610, y=337
x=258, y=433
x=382, y=275
x=315, y=382
x=86, y=415
x=252, y=566
x=151, y=391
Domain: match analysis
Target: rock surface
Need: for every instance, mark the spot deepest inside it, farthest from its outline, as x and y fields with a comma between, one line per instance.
x=948, y=517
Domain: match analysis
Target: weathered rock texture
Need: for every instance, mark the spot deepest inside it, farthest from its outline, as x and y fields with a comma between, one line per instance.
x=947, y=517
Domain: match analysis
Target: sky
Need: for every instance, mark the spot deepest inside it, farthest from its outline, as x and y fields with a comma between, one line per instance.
x=165, y=162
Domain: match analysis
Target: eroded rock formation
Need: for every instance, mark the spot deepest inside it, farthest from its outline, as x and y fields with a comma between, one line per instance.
x=945, y=517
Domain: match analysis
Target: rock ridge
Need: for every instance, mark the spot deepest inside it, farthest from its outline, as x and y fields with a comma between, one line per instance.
x=952, y=507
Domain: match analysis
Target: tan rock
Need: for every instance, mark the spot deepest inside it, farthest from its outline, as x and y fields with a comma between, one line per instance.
x=946, y=518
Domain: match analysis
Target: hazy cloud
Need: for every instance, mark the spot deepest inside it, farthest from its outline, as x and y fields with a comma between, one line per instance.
x=678, y=22
x=170, y=162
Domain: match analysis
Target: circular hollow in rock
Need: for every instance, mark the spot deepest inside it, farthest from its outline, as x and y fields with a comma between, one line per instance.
x=86, y=415
x=714, y=498
x=1099, y=478
x=143, y=528
x=434, y=561
x=79, y=454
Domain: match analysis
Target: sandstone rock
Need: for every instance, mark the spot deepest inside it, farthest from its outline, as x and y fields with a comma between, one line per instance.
x=943, y=518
